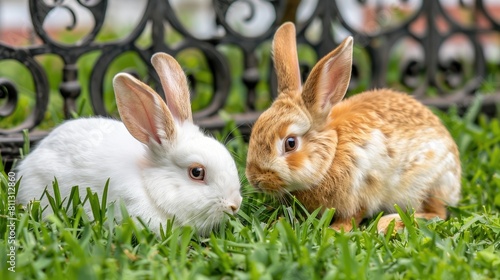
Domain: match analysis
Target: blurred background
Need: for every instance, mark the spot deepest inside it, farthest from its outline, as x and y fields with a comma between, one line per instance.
x=199, y=17
x=58, y=57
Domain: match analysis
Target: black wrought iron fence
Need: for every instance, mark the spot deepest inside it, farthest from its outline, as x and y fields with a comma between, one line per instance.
x=437, y=53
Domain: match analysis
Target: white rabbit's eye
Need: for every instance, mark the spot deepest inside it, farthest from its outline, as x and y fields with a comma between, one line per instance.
x=197, y=173
x=291, y=144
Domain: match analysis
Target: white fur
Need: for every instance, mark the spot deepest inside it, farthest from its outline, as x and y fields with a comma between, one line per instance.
x=398, y=185
x=154, y=185
x=371, y=158
x=298, y=128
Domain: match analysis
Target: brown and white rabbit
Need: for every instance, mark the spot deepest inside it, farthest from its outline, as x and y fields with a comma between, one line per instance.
x=360, y=156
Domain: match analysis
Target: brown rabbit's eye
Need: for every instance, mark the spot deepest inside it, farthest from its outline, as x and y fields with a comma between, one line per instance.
x=197, y=173
x=291, y=143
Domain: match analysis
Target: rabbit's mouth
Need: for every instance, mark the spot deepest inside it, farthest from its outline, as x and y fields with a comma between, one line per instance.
x=264, y=179
x=268, y=186
x=269, y=182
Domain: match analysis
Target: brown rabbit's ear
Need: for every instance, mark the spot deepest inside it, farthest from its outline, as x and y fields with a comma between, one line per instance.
x=174, y=84
x=142, y=110
x=286, y=62
x=328, y=81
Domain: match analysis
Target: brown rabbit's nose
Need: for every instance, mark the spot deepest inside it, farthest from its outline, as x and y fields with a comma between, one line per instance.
x=263, y=186
x=257, y=184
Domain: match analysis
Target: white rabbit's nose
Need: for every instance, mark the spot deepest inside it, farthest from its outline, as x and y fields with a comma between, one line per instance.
x=234, y=203
x=234, y=208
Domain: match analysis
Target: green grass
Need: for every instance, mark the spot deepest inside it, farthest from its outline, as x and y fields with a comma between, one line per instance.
x=268, y=240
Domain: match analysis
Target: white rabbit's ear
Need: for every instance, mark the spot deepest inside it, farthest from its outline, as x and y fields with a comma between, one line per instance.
x=175, y=86
x=286, y=61
x=328, y=81
x=142, y=110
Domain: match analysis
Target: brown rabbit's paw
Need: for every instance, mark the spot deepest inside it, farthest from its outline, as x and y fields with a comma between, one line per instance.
x=386, y=220
x=346, y=226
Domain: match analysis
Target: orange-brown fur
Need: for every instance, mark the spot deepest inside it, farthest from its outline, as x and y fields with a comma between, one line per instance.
x=322, y=171
x=353, y=119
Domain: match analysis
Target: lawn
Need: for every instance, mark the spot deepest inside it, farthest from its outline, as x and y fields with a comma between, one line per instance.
x=268, y=239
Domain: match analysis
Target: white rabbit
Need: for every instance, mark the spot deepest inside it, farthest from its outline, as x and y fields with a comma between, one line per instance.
x=159, y=163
